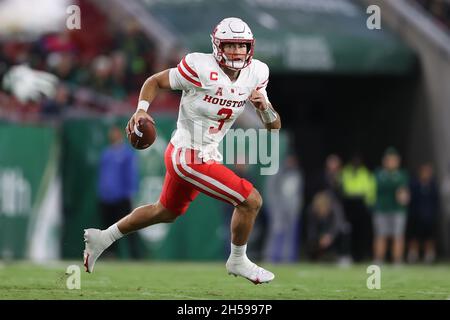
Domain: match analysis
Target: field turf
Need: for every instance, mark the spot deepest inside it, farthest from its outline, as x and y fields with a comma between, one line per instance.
x=186, y=281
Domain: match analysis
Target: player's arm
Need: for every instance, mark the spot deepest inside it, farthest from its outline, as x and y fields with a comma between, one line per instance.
x=265, y=110
x=149, y=90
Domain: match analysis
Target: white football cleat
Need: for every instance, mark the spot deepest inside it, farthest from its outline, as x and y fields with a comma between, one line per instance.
x=249, y=270
x=94, y=246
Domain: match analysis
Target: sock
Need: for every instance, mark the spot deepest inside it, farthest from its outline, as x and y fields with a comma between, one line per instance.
x=238, y=252
x=112, y=234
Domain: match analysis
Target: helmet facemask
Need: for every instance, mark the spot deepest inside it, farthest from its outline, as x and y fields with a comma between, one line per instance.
x=236, y=61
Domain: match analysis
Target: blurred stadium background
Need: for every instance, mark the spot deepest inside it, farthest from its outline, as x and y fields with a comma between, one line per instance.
x=339, y=87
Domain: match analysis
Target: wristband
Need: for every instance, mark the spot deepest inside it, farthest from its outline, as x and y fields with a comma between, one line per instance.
x=268, y=115
x=143, y=105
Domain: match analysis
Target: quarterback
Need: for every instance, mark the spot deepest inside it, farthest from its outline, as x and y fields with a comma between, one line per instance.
x=216, y=88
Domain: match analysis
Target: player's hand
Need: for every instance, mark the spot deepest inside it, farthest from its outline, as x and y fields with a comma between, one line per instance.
x=258, y=100
x=138, y=115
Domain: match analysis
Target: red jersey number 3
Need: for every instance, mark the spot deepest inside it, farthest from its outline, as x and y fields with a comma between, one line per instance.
x=223, y=111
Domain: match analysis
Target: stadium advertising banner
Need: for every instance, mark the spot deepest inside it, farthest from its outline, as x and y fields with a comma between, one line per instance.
x=30, y=196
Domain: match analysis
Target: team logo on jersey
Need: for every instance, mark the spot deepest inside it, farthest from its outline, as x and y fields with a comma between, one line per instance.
x=219, y=91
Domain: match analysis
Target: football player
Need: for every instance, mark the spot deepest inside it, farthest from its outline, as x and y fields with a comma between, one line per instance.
x=216, y=87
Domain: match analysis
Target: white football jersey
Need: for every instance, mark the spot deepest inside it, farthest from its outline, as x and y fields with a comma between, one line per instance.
x=211, y=102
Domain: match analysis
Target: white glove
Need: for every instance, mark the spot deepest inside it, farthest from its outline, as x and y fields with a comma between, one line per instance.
x=28, y=84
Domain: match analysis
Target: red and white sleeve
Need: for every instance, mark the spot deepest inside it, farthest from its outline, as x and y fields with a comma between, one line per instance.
x=184, y=76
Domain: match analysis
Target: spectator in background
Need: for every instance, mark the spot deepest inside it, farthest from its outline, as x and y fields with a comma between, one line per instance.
x=140, y=52
x=102, y=78
x=358, y=193
x=58, y=42
x=64, y=66
x=390, y=209
x=54, y=108
x=423, y=214
x=117, y=184
x=330, y=178
x=284, y=202
x=119, y=69
x=327, y=230
x=107, y=63
x=332, y=174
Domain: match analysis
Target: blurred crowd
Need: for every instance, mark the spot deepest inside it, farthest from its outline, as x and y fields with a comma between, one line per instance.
x=354, y=214
x=440, y=9
x=100, y=68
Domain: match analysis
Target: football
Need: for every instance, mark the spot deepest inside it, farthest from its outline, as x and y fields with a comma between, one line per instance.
x=143, y=135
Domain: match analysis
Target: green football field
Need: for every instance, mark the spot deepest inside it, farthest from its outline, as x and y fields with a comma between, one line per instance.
x=173, y=281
